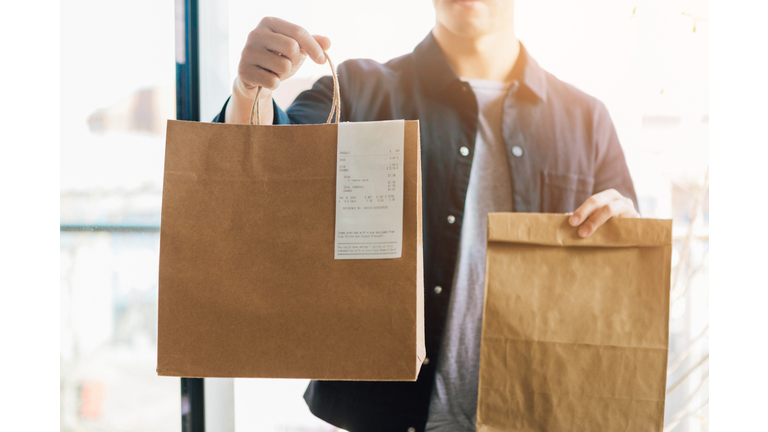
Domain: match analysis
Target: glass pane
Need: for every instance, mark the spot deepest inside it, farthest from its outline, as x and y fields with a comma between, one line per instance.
x=117, y=90
x=109, y=335
x=274, y=405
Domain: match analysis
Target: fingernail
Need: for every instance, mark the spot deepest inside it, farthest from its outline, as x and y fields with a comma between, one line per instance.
x=583, y=232
x=574, y=220
x=321, y=58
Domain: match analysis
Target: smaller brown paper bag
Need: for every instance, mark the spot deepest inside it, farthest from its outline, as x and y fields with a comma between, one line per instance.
x=575, y=331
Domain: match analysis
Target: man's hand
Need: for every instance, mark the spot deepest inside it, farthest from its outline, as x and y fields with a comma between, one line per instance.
x=274, y=51
x=600, y=207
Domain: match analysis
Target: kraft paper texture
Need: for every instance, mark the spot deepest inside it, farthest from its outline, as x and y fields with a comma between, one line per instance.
x=575, y=331
x=248, y=284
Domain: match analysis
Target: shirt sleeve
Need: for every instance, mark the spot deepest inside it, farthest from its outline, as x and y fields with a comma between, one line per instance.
x=314, y=105
x=611, y=167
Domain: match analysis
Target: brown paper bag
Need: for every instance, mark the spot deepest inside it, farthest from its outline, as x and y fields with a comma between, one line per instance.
x=248, y=282
x=575, y=331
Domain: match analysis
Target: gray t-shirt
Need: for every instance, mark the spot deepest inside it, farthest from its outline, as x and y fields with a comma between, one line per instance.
x=453, y=407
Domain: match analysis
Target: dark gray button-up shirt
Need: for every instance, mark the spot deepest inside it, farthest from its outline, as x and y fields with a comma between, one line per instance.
x=561, y=148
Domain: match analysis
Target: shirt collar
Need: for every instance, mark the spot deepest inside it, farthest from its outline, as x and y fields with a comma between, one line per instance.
x=436, y=73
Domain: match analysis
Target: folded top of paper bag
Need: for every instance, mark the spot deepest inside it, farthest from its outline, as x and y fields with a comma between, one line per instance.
x=554, y=230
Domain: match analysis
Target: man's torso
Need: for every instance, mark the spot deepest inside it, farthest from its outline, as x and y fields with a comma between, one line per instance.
x=559, y=147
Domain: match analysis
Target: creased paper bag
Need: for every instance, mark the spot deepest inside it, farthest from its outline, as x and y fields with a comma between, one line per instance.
x=575, y=331
x=248, y=284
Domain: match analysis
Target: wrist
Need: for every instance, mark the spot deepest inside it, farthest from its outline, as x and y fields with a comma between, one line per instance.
x=241, y=103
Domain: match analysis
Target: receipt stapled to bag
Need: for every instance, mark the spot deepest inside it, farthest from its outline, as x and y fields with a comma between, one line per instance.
x=369, y=190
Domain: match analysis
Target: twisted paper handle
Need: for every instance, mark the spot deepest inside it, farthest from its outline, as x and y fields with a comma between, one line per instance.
x=335, y=107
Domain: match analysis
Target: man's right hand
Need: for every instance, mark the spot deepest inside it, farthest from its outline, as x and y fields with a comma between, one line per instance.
x=274, y=51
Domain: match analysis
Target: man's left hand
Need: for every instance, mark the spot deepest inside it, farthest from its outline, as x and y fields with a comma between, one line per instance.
x=600, y=207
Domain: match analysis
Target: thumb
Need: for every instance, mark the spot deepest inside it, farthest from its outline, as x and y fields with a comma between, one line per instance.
x=323, y=41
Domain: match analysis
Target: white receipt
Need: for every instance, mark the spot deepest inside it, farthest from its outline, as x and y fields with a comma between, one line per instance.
x=369, y=190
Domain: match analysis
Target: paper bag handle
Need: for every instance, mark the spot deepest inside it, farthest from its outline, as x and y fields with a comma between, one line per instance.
x=335, y=107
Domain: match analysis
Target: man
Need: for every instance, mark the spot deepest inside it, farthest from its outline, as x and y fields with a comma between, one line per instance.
x=498, y=133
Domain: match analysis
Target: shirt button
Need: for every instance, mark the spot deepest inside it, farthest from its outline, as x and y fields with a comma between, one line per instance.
x=451, y=219
x=464, y=151
x=426, y=361
x=517, y=151
x=411, y=429
x=438, y=289
x=465, y=87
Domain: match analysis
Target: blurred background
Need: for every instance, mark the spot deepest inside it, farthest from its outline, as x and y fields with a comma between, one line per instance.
x=647, y=60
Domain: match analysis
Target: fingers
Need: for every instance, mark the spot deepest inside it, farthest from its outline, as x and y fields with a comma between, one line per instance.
x=591, y=205
x=297, y=33
x=277, y=64
x=252, y=75
x=267, y=78
x=598, y=218
x=284, y=46
x=324, y=42
x=600, y=207
x=274, y=51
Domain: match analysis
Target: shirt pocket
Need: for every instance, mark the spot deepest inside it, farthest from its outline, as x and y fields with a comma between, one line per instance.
x=563, y=192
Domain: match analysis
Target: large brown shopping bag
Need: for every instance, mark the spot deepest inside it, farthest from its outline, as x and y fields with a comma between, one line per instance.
x=248, y=283
x=575, y=331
